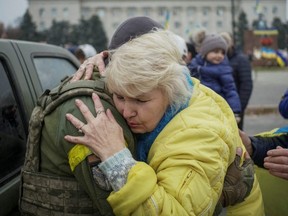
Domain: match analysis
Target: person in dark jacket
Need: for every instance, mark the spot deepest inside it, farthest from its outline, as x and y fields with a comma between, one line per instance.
x=242, y=74
x=191, y=52
x=212, y=68
x=269, y=150
x=283, y=105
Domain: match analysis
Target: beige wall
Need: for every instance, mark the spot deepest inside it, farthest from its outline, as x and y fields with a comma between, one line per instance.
x=186, y=16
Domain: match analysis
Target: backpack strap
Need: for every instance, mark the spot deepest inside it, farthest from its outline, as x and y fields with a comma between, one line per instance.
x=41, y=193
x=47, y=103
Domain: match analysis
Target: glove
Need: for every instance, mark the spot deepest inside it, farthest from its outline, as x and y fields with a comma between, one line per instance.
x=238, y=181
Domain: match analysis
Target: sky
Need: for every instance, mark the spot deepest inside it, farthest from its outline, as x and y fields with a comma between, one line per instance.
x=10, y=10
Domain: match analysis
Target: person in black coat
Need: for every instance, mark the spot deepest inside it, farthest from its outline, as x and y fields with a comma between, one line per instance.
x=242, y=74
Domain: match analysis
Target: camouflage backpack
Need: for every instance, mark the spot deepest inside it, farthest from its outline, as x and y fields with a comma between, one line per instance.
x=33, y=181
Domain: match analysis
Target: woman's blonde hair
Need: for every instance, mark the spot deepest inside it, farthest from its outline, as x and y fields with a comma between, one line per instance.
x=148, y=62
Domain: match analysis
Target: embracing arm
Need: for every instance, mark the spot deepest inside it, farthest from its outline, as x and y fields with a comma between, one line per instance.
x=171, y=183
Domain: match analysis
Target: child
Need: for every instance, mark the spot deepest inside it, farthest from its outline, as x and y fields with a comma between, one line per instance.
x=212, y=68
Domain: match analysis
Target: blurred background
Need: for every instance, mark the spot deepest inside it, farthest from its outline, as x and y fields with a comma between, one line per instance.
x=259, y=27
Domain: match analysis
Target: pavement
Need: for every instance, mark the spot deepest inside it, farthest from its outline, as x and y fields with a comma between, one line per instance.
x=262, y=111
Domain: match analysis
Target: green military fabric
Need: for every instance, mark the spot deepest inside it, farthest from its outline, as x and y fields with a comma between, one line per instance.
x=54, y=189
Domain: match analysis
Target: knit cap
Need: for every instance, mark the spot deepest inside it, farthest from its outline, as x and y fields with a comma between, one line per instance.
x=212, y=42
x=132, y=28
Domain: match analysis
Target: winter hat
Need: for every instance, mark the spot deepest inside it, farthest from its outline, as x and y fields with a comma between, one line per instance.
x=132, y=28
x=210, y=42
x=88, y=50
x=228, y=38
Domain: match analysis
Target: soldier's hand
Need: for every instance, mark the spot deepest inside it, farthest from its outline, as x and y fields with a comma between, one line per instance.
x=238, y=181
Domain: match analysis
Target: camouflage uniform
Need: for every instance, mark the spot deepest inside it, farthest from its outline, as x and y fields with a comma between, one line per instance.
x=63, y=183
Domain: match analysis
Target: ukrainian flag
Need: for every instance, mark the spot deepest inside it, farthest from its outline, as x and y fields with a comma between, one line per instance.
x=258, y=7
x=167, y=19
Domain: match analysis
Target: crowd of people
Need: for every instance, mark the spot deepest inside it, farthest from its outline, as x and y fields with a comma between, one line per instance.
x=162, y=135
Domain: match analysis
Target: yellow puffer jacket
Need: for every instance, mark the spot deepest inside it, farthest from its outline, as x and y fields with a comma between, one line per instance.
x=187, y=164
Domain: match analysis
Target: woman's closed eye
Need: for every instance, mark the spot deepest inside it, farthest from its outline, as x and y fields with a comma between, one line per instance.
x=141, y=100
x=119, y=97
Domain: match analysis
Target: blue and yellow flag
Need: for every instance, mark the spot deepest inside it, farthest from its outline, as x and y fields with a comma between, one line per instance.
x=167, y=19
x=258, y=7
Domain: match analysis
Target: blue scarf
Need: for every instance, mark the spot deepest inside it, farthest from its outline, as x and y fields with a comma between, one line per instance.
x=145, y=141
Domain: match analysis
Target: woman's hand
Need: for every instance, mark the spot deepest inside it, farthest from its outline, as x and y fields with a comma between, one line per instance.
x=247, y=142
x=88, y=65
x=277, y=162
x=102, y=134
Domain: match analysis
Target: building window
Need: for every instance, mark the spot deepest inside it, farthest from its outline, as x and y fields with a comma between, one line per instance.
x=85, y=12
x=191, y=25
x=177, y=25
x=41, y=12
x=54, y=12
x=116, y=12
x=205, y=24
x=101, y=12
x=66, y=13
x=220, y=11
x=205, y=11
x=275, y=10
x=147, y=11
x=42, y=26
x=219, y=24
x=131, y=11
x=176, y=11
x=162, y=11
x=191, y=11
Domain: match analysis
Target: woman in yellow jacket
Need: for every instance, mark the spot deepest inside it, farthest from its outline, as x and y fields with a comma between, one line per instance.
x=186, y=135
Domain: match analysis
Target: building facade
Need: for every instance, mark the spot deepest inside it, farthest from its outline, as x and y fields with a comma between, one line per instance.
x=181, y=16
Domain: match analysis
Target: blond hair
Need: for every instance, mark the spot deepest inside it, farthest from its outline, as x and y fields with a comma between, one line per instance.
x=148, y=62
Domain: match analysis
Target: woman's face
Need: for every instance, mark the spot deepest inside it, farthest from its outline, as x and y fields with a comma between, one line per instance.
x=144, y=112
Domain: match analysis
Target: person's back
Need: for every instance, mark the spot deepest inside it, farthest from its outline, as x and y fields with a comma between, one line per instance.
x=59, y=177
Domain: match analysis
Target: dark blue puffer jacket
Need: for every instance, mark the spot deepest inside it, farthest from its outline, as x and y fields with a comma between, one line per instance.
x=218, y=77
x=283, y=105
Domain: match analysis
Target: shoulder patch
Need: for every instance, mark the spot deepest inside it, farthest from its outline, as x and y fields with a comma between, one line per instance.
x=77, y=154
